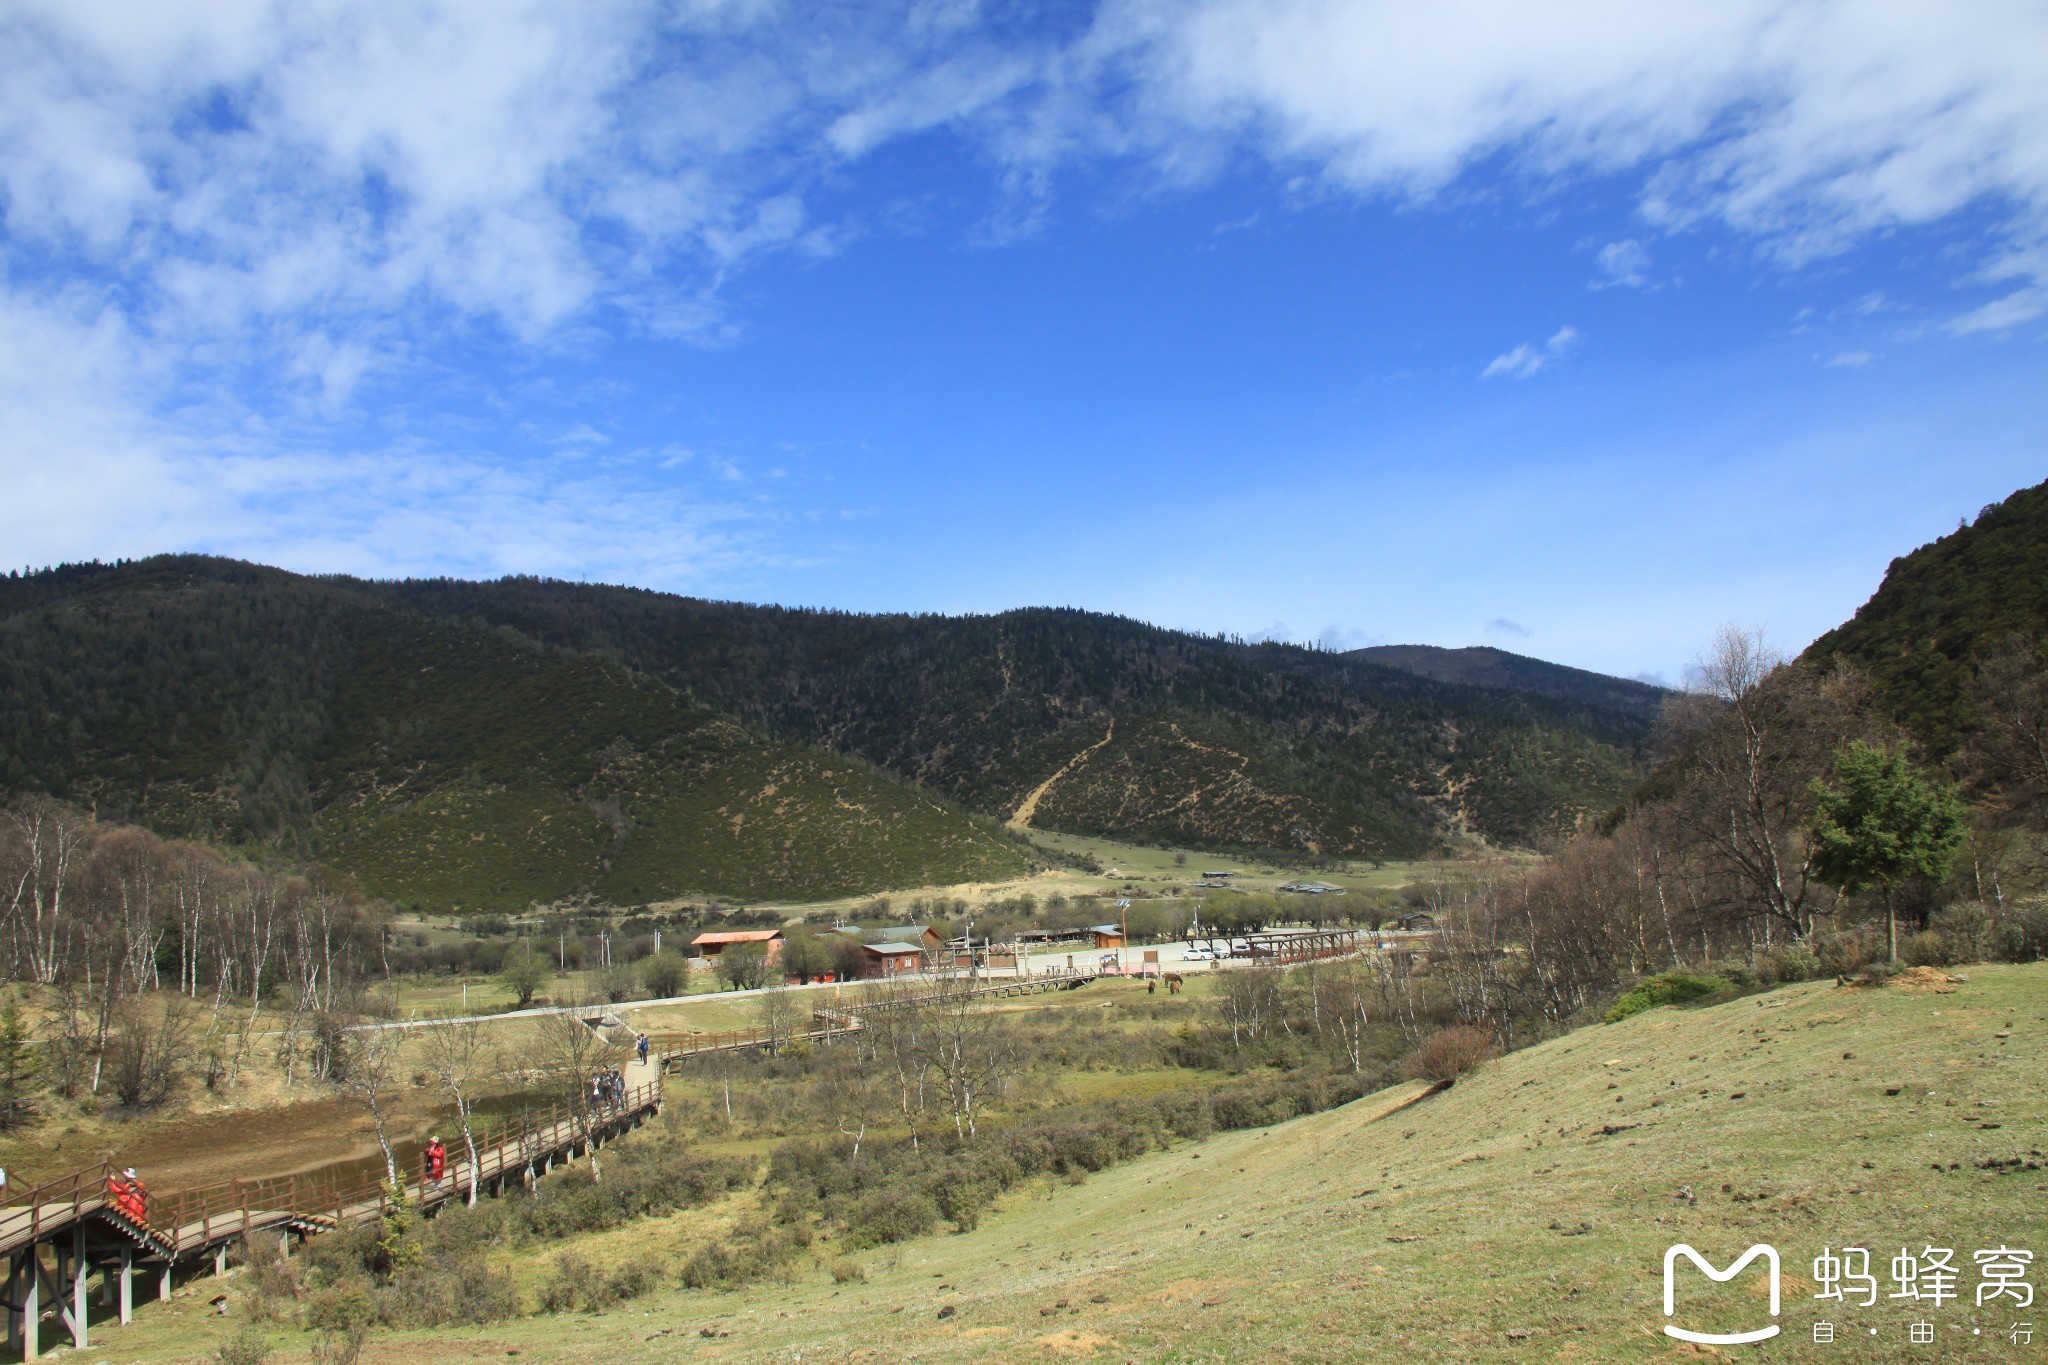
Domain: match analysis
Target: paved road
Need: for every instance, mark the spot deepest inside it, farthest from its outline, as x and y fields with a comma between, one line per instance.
x=1037, y=964
x=539, y=1011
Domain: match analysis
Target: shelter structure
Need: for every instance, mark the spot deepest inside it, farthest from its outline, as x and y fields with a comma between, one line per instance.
x=892, y=959
x=710, y=944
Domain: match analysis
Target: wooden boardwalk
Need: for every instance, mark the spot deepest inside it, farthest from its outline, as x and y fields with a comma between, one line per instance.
x=57, y=1234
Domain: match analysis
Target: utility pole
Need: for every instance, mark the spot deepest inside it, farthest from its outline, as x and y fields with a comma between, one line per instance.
x=1123, y=938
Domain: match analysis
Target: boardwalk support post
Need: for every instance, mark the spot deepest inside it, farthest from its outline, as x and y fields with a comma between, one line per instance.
x=127, y=1285
x=32, y=1305
x=78, y=1273
x=163, y=1282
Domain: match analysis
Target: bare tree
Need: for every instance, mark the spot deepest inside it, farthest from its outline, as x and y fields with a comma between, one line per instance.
x=2012, y=697
x=1249, y=998
x=370, y=1076
x=966, y=1047
x=781, y=1016
x=1754, y=731
x=44, y=841
x=897, y=1016
x=461, y=1058
x=851, y=1082
x=573, y=1052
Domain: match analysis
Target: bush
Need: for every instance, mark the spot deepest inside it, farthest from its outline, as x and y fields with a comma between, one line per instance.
x=892, y=1216
x=961, y=1202
x=634, y=1280
x=341, y=1348
x=248, y=1346
x=750, y=1252
x=575, y=1284
x=1669, y=988
x=1449, y=1053
x=339, y=1308
x=640, y=1180
x=846, y=1271
x=1929, y=948
x=446, y=1293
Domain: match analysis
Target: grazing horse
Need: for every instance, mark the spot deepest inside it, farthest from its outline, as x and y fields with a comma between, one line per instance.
x=1173, y=983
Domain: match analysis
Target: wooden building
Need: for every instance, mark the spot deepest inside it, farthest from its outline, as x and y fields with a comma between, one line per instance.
x=709, y=945
x=893, y=959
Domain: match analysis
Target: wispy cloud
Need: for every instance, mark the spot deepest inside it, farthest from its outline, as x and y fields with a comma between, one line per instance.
x=1849, y=360
x=1530, y=359
x=1622, y=265
x=1501, y=627
x=225, y=224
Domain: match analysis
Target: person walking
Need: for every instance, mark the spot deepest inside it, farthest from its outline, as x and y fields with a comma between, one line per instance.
x=437, y=1159
x=642, y=1045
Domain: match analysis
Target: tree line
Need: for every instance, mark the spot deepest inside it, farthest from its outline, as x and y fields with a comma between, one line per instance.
x=100, y=915
x=1794, y=830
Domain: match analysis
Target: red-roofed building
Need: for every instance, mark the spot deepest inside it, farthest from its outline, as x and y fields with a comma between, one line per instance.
x=710, y=945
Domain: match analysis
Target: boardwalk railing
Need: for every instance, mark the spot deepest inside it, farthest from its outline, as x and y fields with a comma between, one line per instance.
x=80, y=1220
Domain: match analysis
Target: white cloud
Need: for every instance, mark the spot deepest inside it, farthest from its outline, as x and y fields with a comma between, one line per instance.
x=1849, y=360
x=1527, y=359
x=1792, y=117
x=1623, y=264
x=223, y=218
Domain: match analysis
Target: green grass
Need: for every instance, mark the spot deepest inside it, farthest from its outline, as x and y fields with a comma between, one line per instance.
x=1502, y=1206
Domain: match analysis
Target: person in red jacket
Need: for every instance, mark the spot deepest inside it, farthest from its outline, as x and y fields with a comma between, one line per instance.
x=437, y=1159
x=128, y=1194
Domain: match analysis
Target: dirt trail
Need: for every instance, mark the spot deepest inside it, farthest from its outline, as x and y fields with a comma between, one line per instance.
x=180, y=1150
x=1029, y=808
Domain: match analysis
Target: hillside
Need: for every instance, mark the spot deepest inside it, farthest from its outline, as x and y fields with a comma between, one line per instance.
x=1073, y=721
x=1521, y=1215
x=1209, y=742
x=1919, y=634
x=1484, y=666
x=444, y=765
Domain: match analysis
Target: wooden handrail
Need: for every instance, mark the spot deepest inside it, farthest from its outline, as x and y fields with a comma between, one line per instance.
x=66, y=1198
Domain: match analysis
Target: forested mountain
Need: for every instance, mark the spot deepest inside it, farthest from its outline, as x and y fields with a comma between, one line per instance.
x=1942, y=610
x=1150, y=734
x=1484, y=666
x=442, y=764
x=489, y=743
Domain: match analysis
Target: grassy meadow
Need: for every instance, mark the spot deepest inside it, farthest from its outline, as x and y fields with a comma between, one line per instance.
x=1520, y=1215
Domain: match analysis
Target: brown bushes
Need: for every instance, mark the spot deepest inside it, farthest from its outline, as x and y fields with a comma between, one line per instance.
x=1449, y=1053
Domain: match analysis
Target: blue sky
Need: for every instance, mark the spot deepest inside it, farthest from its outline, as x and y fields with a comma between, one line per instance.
x=1578, y=329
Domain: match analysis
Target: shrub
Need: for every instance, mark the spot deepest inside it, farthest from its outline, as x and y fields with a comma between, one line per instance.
x=1929, y=948
x=846, y=1271
x=339, y=1308
x=575, y=1284
x=749, y=1252
x=633, y=1280
x=340, y=1348
x=1668, y=988
x=892, y=1215
x=249, y=1346
x=451, y=1293
x=1449, y=1053
x=961, y=1202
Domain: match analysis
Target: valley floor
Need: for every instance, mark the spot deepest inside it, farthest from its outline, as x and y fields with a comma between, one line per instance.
x=1521, y=1215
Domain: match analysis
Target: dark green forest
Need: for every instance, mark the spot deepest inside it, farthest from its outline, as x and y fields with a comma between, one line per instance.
x=1942, y=610
x=489, y=744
